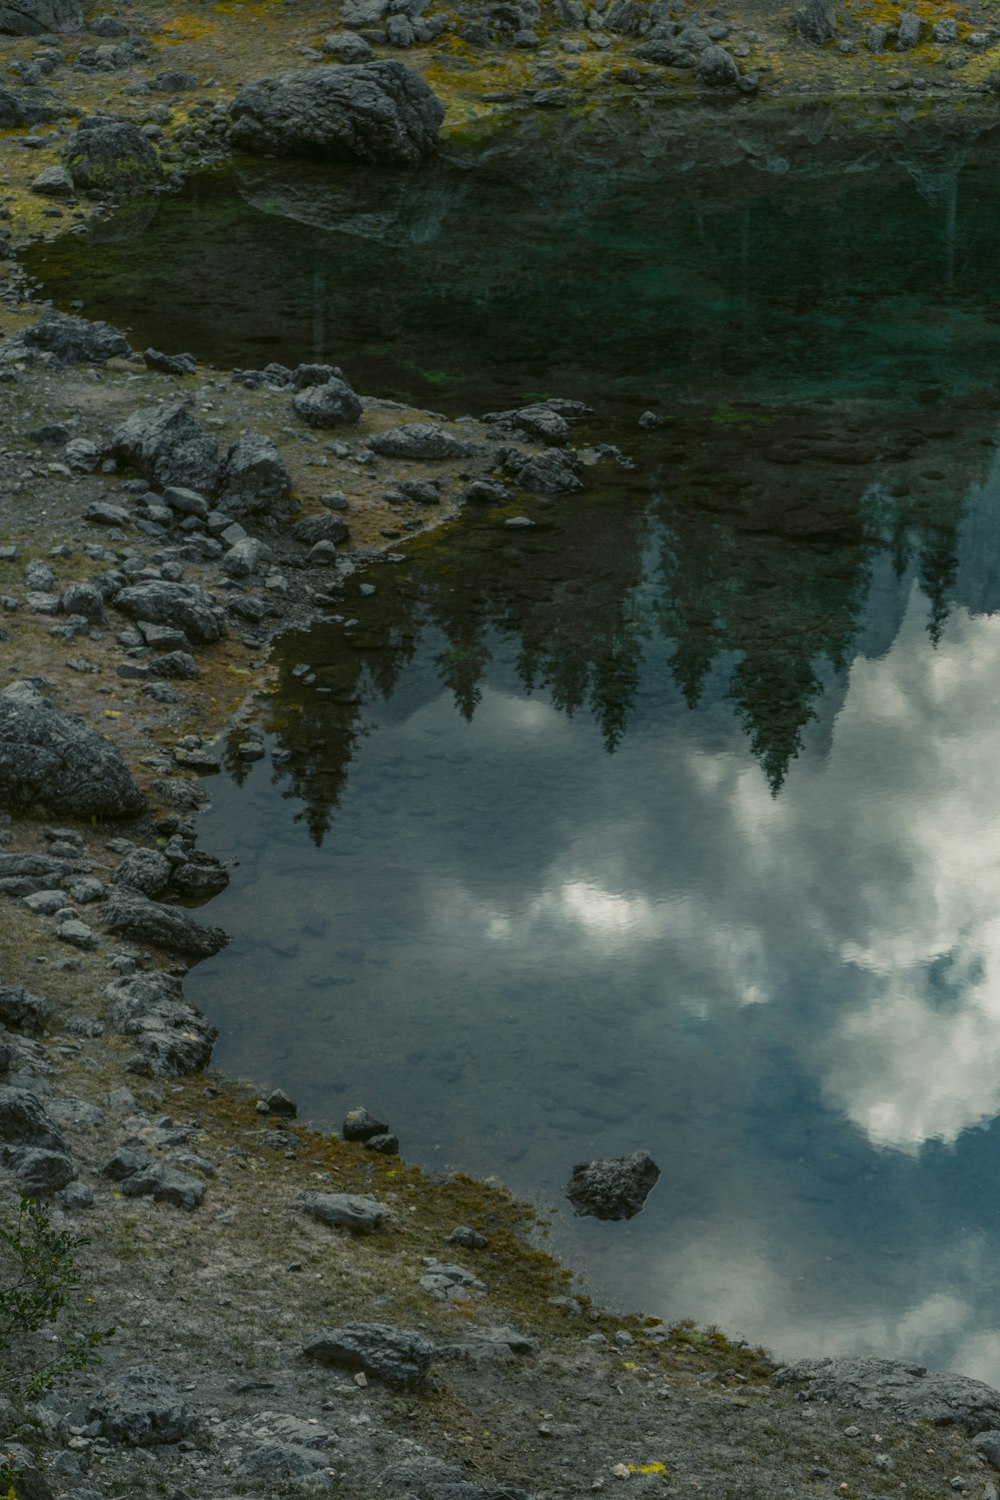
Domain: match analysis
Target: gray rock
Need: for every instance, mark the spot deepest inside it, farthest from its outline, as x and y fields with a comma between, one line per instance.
x=86, y=890
x=988, y=1444
x=399, y=1356
x=133, y=915
x=386, y=1144
x=45, y=903
x=908, y=32
x=200, y=877
x=360, y=1125
x=75, y=1197
x=51, y=759
x=539, y=422
x=141, y=1408
x=816, y=22
x=279, y=1103
x=484, y=1345
x=277, y=1461
x=555, y=472
x=486, y=492
x=173, y=1036
x=183, y=606
x=945, y=31
x=145, y=870
x=672, y=48
x=184, y=501
x=471, y=1239
x=347, y=47
x=54, y=182
x=371, y=112
x=77, y=1112
x=254, y=479
x=624, y=17
x=887, y=1386
x=124, y=1161
x=83, y=599
x=165, y=1185
x=41, y=1171
x=243, y=558
x=22, y=1009
x=168, y=446
x=418, y=440
x=35, y=17
x=447, y=1282
x=25, y=109
x=313, y=529
x=23, y=1122
x=112, y=154
x=329, y=405
x=354, y=1211
x=75, y=341
x=178, y=665
x=876, y=38
x=717, y=69
x=169, y=364
x=613, y=1189
x=76, y=933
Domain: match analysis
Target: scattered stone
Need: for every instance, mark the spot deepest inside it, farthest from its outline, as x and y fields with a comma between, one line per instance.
x=75, y=1197
x=165, y=1185
x=133, y=915
x=76, y=933
x=145, y=870
x=75, y=341
x=347, y=47
x=54, y=182
x=330, y=405
x=359, y=1125
x=385, y=1144
x=447, y=1282
x=141, y=1408
x=399, y=1356
x=22, y=1009
x=557, y=471
x=315, y=529
x=24, y=1122
x=45, y=903
x=424, y=440
x=169, y=447
x=471, y=1239
x=41, y=1172
x=613, y=1189
x=279, y=1103
x=51, y=759
x=540, y=422
x=816, y=22
x=353, y=1211
x=908, y=31
x=173, y=1036
x=170, y=364
x=254, y=479
x=83, y=599
x=243, y=558
x=111, y=153
x=486, y=492
x=368, y=112
x=910, y=1392
x=182, y=606
x=717, y=69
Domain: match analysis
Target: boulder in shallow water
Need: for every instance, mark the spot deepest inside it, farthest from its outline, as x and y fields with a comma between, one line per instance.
x=379, y=112
x=613, y=1189
x=58, y=761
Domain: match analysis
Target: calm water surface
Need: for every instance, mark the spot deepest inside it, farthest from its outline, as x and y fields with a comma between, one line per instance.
x=673, y=822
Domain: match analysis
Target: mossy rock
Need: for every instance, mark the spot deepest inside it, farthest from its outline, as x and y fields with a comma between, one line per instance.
x=112, y=154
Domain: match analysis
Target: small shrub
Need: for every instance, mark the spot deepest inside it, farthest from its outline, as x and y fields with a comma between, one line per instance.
x=38, y=1278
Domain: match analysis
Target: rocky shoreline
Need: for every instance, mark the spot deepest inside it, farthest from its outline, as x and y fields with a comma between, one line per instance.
x=293, y=1308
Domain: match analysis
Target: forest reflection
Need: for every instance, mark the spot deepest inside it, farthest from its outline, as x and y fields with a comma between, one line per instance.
x=744, y=543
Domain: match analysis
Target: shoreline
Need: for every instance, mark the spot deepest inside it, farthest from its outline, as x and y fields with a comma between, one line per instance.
x=214, y=1268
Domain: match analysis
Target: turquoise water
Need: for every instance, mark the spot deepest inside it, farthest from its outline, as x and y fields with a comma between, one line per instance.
x=673, y=822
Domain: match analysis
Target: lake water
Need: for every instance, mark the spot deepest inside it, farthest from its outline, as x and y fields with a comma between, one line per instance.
x=673, y=822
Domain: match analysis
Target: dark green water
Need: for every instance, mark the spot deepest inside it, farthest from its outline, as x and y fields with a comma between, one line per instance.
x=674, y=822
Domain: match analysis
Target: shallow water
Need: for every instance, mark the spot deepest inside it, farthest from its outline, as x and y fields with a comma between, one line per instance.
x=674, y=822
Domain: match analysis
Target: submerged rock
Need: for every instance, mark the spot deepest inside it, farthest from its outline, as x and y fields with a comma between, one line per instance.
x=58, y=761
x=133, y=915
x=613, y=1189
x=379, y=112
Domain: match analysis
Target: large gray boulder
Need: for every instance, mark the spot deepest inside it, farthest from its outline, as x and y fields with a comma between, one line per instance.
x=254, y=479
x=112, y=154
x=141, y=1407
x=26, y=109
x=133, y=915
x=75, y=341
x=23, y=1122
x=184, y=606
x=888, y=1387
x=59, y=762
x=398, y=1356
x=717, y=69
x=20, y=1008
x=168, y=446
x=33, y=17
x=816, y=22
x=613, y=1189
x=379, y=112
x=418, y=440
x=328, y=405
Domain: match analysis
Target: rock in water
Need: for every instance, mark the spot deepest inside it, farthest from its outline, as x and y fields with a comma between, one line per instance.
x=110, y=153
x=60, y=762
x=379, y=112
x=133, y=915
x=615, y=1189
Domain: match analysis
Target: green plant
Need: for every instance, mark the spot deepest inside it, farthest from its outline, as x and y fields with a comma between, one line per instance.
x=38, y=1278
